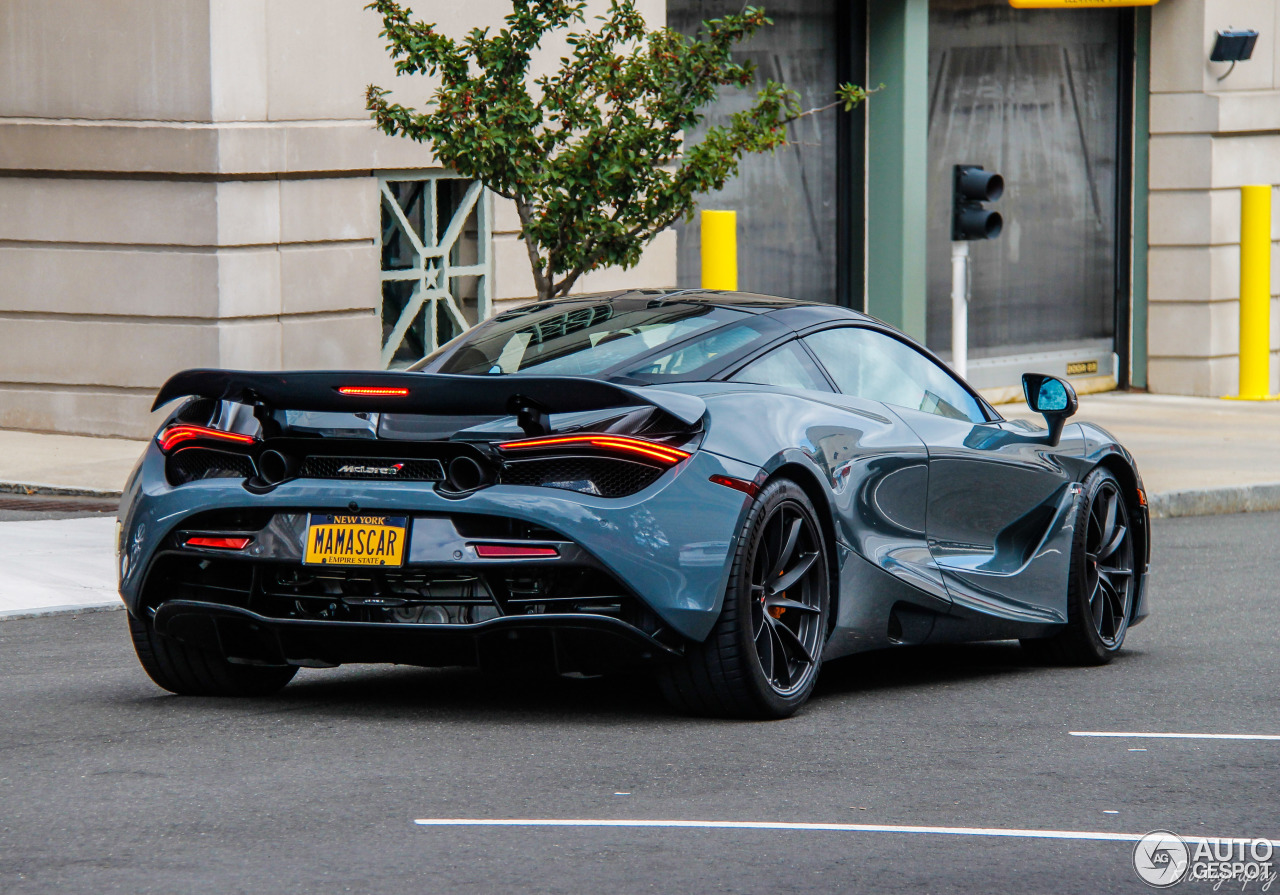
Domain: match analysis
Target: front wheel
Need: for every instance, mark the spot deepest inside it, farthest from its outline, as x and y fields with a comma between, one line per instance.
x=762, y=657
x=182, y=669
x=1102, y=584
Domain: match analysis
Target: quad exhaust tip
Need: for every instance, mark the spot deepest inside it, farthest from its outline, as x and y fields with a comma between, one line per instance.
x=465, y=474
x=274, y=467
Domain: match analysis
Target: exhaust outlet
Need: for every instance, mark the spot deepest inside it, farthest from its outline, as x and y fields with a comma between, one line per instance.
x=465, y=474
x=274, y=467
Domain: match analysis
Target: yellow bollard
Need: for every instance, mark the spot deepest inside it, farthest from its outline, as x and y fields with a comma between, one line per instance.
x=720, y=250
x=1255, y=293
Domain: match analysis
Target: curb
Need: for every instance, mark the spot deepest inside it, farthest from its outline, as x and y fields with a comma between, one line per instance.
x=38, y=488
x=1219, y=501
x=42, y=611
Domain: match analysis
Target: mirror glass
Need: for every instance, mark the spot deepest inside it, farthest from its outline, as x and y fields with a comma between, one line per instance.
x=1052, y=398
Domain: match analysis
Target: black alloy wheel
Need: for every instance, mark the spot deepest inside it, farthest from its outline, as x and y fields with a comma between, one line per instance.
x=761, y=659
x=1108, y=568
x=785, y=602
x=1102, y=582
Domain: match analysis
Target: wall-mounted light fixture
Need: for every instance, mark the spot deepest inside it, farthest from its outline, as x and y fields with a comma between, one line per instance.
x=1233, y=46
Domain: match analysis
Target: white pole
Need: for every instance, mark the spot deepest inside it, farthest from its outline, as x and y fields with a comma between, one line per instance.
x=960, y=307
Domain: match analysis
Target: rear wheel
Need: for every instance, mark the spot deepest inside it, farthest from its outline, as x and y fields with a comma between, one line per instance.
x=181, y=669
x=762, y=657
x=1101, y=585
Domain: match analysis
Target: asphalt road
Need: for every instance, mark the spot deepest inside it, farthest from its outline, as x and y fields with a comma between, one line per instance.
x=107, y=784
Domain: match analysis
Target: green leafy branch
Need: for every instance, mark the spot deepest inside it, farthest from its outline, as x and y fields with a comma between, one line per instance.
x=593, y=153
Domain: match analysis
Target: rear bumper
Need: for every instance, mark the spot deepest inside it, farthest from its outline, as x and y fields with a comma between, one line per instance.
x=668, y=544
x=569, y=642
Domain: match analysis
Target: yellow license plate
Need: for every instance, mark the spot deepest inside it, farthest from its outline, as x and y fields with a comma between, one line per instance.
x=338, y=540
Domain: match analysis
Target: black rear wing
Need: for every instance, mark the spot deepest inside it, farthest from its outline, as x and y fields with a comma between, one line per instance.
x=426, y=393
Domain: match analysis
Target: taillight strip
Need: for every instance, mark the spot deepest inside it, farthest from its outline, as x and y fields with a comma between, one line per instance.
x=177, y=434
x=373, y=391
x=617, y=443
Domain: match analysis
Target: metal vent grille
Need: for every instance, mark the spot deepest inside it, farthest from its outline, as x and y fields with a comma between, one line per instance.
x=589, y=475
x=193, y=464
x=378, y=468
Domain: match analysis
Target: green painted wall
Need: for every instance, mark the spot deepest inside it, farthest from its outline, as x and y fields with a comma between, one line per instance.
x=897, y=162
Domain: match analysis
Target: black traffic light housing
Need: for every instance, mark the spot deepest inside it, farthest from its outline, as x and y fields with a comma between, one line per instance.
x=970, y=219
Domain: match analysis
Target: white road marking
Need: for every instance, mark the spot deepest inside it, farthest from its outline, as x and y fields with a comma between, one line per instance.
x=801, y=827
x=1176, y=736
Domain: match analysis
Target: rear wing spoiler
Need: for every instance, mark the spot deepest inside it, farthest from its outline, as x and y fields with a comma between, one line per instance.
x=445, y=394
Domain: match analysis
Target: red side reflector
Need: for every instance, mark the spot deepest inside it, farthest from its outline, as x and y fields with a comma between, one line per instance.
x=619, y=444
x=372, y=391
x=177, y=434
x=219, y=543
x=1142, y=498
x=751, y=489
x=512, y=551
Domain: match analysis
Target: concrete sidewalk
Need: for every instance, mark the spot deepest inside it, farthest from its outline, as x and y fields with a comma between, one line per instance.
x=57, y=565
x=1196, y=455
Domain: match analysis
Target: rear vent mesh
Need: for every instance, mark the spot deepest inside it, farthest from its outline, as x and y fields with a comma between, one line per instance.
x=590, y=475
x=193, y=464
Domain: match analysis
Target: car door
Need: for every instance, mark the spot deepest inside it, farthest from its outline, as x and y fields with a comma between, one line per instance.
x=994, y=490
x=878, y=468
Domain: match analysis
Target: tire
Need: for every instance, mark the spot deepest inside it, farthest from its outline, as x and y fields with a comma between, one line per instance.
x=762, y=657
x=1101, y=584
x=191, y=672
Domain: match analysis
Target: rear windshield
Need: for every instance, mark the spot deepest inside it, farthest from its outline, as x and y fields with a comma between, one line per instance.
x=590, y=339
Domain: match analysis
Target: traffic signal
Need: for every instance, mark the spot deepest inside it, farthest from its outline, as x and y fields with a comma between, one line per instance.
x=972, y=185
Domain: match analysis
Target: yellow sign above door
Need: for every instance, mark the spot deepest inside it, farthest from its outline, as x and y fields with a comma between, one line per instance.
x=1079, y=4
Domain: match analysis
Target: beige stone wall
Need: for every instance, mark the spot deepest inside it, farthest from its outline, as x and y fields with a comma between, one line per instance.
x=1208, y=138
x=194, y=183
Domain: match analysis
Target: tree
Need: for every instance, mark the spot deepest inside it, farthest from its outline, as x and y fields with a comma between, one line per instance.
x=592, y=154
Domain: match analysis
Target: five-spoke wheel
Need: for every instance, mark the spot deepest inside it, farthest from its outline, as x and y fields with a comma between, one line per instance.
x=762, y=657
x=1108, y=571
x=1101, y=586
x=786, y=598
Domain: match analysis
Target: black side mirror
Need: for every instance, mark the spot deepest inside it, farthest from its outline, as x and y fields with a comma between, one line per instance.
x=1053, y=398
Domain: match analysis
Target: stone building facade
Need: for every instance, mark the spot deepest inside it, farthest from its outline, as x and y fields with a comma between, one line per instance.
x=196, y=183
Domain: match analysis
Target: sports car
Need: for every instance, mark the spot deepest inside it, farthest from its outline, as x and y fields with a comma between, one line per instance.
x=723, y=489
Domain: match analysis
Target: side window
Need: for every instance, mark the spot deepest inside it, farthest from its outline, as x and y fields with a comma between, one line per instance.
x=871, y=365
x=785, y=367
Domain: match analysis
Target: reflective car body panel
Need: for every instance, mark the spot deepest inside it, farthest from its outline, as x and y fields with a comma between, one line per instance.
x=996, y=496
x=873, y=468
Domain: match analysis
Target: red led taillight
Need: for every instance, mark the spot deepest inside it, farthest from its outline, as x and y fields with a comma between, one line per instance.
x=618, y=444
x=175, y=435
x=513, y=551
x=219, y=543
x=372, y=391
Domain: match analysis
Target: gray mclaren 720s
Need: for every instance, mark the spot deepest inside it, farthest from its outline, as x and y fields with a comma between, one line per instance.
x=722, y=489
